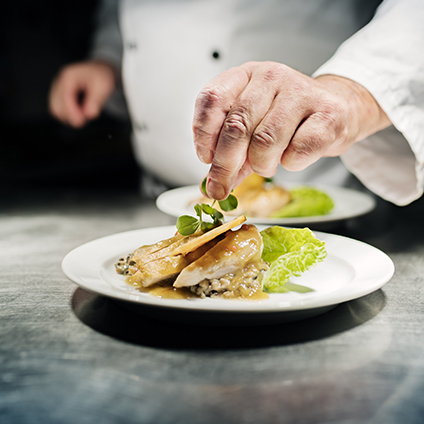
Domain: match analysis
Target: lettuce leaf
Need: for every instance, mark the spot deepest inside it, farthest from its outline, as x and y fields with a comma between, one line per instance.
x=306, y=201
x=290, y=252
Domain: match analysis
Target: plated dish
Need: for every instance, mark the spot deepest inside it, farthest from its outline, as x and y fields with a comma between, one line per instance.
x=348, y=203
x=352, y=269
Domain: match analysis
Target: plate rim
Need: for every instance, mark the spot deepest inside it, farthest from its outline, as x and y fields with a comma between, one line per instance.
x=332, y=298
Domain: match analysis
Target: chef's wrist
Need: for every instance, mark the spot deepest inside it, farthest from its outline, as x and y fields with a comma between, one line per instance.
x=109, y=66
x=367, y=115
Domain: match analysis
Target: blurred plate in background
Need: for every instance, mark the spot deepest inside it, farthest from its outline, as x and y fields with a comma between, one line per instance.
x=348, y=203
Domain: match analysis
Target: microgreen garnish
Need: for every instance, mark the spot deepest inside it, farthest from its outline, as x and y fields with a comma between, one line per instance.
x=204, y=186
x=187, y=224
x=227, y=205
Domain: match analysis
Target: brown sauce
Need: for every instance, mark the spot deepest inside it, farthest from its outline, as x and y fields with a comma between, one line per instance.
x=164, y=290
x=243, y=293
x=169, y=292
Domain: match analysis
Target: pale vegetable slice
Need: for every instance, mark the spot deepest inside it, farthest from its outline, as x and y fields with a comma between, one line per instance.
x=194, y=243
x=188, y=244
x=172, y=248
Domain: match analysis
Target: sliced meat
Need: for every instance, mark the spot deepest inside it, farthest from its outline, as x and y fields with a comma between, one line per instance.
x=168, y=267
x=229, y=255
x=145, y=251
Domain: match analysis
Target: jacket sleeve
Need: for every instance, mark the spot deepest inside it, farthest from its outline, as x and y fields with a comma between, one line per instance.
x=107, y=41
x=386, y=57
x=107, y=46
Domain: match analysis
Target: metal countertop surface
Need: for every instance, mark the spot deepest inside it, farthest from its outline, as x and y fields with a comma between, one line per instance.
x=68, y=356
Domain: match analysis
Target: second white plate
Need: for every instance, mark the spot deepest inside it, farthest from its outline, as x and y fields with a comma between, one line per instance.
x=348, y=204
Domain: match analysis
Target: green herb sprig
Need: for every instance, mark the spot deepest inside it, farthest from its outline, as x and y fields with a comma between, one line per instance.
x=187, y=224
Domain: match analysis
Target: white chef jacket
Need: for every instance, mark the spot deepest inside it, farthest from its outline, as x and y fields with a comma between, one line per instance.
x=172, y=48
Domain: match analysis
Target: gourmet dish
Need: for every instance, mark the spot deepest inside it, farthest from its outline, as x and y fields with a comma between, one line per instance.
x=231, y=260
x=261, y=197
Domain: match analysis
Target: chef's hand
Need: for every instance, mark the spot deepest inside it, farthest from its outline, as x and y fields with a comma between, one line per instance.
x=79, y=92
x=261, y=114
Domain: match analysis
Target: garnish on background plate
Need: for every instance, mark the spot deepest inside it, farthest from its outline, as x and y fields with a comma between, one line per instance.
x=305, y=201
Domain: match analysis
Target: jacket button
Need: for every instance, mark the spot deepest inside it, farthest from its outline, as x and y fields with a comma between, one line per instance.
x=131, y=45
x=215, y=55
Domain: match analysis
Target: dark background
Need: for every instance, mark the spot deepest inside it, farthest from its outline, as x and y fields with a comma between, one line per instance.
x=37, y=38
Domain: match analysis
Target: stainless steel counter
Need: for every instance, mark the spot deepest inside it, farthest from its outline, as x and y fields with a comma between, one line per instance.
x=70, y=356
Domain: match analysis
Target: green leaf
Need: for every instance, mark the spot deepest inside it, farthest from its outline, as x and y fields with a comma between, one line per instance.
x=279, y=240
x=206, y=226
x=187, y=225
x=204, y=186
x=207, y=209
x=290, y=252
x=198, y=210
x=229, y=204
x=306, y=201
x=217, y=215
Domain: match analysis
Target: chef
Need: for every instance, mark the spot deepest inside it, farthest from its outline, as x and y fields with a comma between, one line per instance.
x=258, y=57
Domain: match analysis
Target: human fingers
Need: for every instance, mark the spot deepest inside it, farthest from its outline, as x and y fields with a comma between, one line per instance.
x=99, y=86
x=64, y=98
x=247, y=111
x=211, y=107
x=244, y=172
x=93, y=101
x=314, y=138
x=276, y=130
x=80, y=90
x=72, y=107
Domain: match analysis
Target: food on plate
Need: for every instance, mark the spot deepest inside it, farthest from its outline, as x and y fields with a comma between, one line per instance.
x=232, y=260
x=290, y=253
x=305, y=201
x=261, y=197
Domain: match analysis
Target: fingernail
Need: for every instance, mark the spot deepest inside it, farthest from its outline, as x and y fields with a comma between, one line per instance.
x=215, y=189
x=204, y=154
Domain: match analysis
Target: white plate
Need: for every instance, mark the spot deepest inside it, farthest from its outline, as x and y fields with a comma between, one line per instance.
x=352, y=269
x=348, y=203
